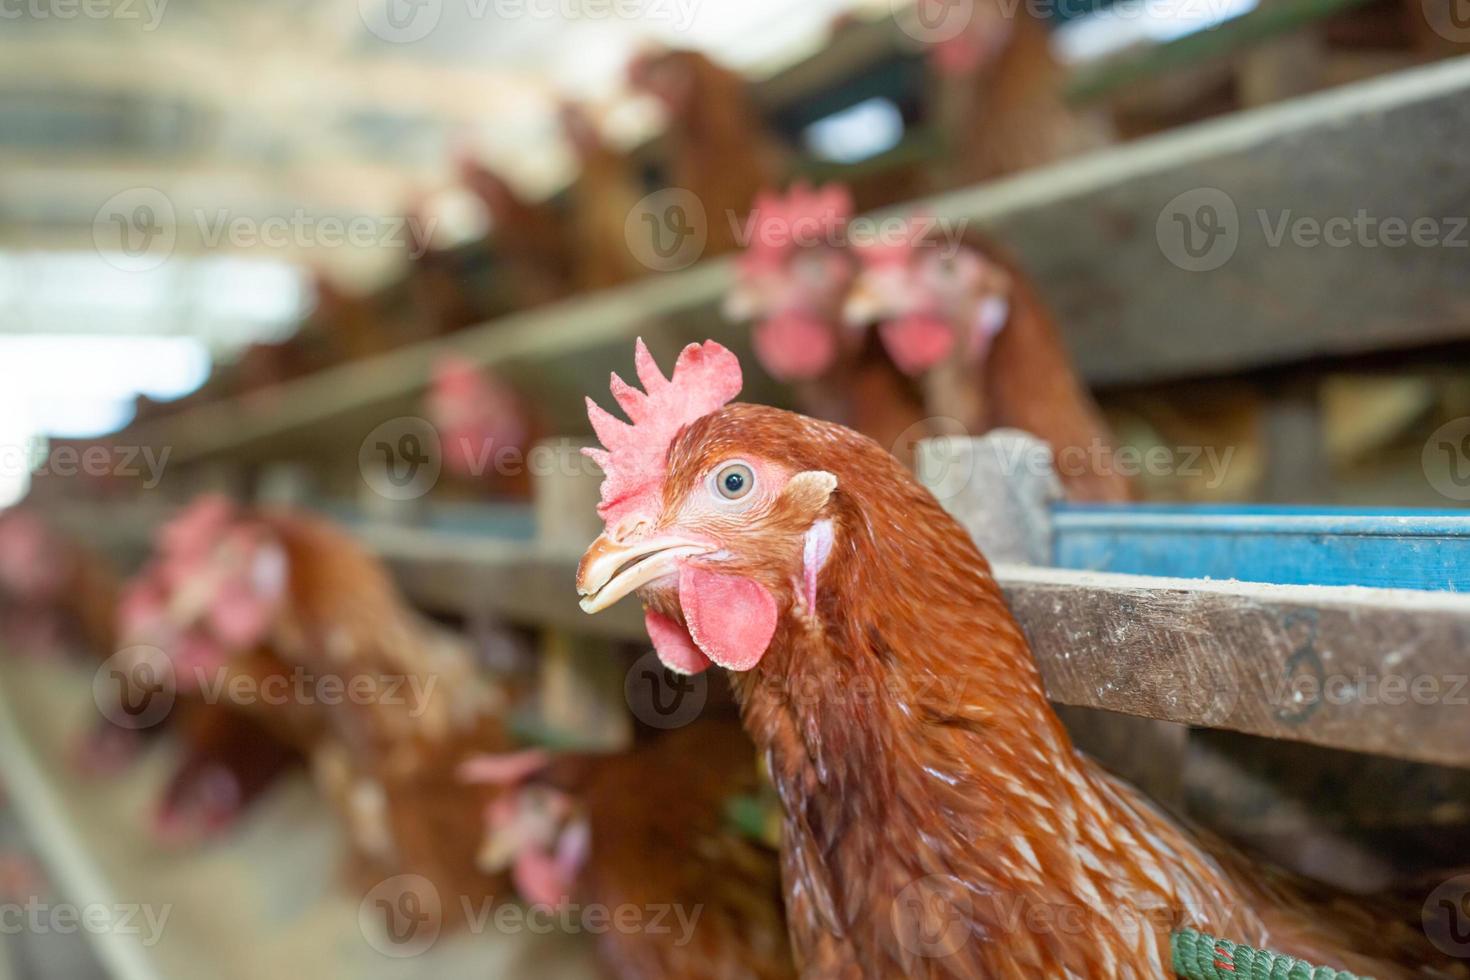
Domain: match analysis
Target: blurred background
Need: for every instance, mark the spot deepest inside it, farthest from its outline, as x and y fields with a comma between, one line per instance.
x=362, y=259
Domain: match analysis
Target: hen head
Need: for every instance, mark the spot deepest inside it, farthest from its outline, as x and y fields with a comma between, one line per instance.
x=212, y=591
x=476, y=414
x=792, y=279
x=721, y=517
x=535, y=831
x=968, y=37
x=929, y=300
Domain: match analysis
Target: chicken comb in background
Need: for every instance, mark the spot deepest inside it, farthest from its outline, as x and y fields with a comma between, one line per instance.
x=477, y=414
x=211, y=590
x=964, y=319
x=792, y=277
x=937, y=298
x=632, y=456
x=533, y=830
x=33, y=566
x=967, y=50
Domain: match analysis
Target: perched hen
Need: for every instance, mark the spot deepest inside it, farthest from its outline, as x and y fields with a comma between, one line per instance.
x=719, y=147
x=53, y=590
x=969, y=324
x=639, y=830
x=605, y=192
x=937, y=820
x=386, y=706
x=484, y=425
x=792, y=280
x=999, y=91
x=528, y=238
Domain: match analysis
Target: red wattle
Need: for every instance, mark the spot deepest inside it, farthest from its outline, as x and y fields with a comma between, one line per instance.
x=794, y=346
x=540, y=880
x=675, y=647
x=917, y=343
x=730, y=617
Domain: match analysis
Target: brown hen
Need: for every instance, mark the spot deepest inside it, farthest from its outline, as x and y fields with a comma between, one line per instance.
x=937, y=819
x=639, y=830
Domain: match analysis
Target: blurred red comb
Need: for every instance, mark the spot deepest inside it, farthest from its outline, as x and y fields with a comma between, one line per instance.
x=705, y=377
x=888, y=248
x=778, y=225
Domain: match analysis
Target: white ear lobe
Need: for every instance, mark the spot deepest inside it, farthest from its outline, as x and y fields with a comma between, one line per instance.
x=810, y=489
x=270, y=571
x=816, y=549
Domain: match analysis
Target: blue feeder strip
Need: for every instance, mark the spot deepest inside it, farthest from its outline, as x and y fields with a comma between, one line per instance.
x=1401, y=549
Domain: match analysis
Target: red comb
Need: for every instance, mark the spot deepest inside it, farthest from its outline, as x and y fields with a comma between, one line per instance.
x=778, y=225
x=195, y=529
x=706, y=376
x=889, y=248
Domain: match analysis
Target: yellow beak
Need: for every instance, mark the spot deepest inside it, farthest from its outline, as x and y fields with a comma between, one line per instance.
x=612, y=569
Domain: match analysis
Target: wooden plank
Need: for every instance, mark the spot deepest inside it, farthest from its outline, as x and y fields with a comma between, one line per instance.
x=1373, y=670
x=1309, y=663
x=1088, y=229
x=1103, y=234
x=1284, y=545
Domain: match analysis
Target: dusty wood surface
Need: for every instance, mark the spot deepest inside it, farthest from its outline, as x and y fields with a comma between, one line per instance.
x=1374, y=670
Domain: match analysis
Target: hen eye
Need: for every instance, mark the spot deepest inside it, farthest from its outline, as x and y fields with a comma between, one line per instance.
x=734, y=481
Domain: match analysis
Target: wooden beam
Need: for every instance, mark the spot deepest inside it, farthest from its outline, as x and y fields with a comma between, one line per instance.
x=1374, y=670
x=1089, y=231
x=1385, y=671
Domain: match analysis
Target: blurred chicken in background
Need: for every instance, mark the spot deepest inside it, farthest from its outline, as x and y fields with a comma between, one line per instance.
x=55, y=593
x=606, y=190
x=966, y=321
x=528, y=239
x=792, y=281
x=243, y=594
x=480, y=417
x=718, y=146
x=585, y=829
x=999, y=92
